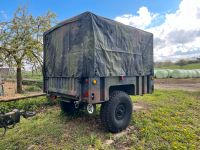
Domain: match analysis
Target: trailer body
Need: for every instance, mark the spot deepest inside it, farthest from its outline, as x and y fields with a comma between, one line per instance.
x=88, y=57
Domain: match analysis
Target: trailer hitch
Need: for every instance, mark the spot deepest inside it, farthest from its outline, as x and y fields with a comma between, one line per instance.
x=10, y=119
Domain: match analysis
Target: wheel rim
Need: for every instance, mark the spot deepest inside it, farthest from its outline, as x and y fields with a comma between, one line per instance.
x=90, y=108
x=120, y=112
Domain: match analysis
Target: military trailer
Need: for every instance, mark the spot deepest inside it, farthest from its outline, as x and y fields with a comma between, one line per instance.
x=91, y=60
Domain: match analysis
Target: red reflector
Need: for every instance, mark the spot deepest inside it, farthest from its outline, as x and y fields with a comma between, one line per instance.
x=86, y=81
x=53, y=97
x=121, y=77
x=86, y=94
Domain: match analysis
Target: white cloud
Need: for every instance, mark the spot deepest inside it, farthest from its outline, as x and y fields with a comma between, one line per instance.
x=180, y=31
x=3, y=15
x=143, y=19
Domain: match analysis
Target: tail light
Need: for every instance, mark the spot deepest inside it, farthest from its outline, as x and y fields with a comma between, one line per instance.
x=121, y=77
x=86, y=81
x=86, y=94
x=53, y=97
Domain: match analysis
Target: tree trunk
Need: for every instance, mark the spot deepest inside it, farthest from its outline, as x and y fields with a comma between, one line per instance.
x=32, y=71
x=19, y=80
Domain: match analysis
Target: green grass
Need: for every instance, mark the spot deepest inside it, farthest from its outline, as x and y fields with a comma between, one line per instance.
x=26, y=75
x=187, y=67
x=170, y=120
x=33, y=88
x=34, y=76
x=28, y=104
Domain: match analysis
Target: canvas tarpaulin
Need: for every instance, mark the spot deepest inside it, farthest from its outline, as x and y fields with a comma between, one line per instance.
x=89, y=45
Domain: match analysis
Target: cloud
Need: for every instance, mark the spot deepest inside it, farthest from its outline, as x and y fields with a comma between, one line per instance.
x=3, y=15
x=179, y=31
x=182, y=36
x=143, y=19
x=198, y=13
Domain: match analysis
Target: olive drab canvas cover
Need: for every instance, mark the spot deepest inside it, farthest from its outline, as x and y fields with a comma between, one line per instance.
x=89, y=45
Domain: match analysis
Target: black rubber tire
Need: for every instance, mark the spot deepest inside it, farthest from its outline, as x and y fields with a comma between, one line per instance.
x=68, y=108
x=116, y=113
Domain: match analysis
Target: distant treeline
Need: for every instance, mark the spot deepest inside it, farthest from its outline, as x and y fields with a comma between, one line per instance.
x=181, y=62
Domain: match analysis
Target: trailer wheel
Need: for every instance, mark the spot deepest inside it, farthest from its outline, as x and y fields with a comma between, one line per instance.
x=68, y=108
x=116, y=113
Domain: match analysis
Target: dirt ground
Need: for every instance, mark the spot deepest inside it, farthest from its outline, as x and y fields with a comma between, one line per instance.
x=178, y=84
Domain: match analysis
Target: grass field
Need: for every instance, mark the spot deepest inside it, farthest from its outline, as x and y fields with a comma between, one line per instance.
x=29, y=75
x=168, y=120
x=188, y=66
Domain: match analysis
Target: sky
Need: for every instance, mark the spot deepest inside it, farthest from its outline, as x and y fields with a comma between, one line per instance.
x=174, y=23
